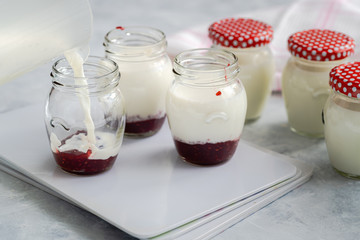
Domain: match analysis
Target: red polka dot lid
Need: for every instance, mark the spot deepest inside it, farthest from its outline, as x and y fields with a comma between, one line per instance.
x=345, y=79
x=240, y=33
x=321, y=45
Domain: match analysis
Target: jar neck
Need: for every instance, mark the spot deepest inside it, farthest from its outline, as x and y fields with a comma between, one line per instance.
x=346, y=102
x=100, y=74
x=135, y=43
x=315, y=66
x=250, y=56
x=248, y=50
x=206, y=67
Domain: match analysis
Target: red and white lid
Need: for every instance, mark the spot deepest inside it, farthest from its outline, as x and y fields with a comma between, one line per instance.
x=345, y=79
x=240, y=33
x=321, y=45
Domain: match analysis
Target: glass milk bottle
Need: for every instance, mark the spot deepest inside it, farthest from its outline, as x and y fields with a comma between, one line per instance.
x=85, y=116
x=305, y=77
x=249, y=40
x=146, y=73
x=206, y=106
x=342, y=120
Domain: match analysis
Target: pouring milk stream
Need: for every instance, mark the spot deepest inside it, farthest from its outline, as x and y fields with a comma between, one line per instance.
x=76, y=61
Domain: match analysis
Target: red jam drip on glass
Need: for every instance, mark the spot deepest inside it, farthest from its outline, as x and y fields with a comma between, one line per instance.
x=77, y=162
x=206, y=153
x=145, y=126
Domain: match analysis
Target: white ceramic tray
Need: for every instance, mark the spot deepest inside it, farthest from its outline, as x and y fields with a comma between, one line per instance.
x=149, y=191
x=218, y=221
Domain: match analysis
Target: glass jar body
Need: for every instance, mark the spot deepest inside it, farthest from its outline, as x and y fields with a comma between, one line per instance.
x=146, y=73
x=342, y=134
x=257, y=73
x=305, y=90
x=67, y=107
x=206, y=118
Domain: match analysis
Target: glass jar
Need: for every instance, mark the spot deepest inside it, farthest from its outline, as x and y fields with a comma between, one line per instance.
x=249, y=40
x=146, y=73
x=206, y=106
x=85, y=116
x=305, y=77
x=342, y=118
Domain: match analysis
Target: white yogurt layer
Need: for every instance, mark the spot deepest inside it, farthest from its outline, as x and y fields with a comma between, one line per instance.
x=305, y=90
x=200, y=115
x=342, y=136
x=144, y=86
x=105, y=146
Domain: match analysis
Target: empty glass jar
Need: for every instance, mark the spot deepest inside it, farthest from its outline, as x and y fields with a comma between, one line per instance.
x=85, y=116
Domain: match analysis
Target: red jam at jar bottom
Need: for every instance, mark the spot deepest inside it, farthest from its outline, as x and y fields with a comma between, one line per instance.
x=206, y=153
x=145, y=127
x=77, y=162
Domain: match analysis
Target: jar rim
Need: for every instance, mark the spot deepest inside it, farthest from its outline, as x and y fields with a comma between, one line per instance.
x=187, y=53
x=89, y=61
x=214, y=66
x=98, y=71
x=154, y=35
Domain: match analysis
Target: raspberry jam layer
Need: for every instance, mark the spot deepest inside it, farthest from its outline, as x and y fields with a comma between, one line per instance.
x=206, y=153
x=77, y=162
x=145, y=127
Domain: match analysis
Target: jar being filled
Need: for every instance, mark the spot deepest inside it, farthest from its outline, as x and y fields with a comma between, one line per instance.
x=342, y=118
x=206, y=106
x=305, y=77
x=146, y=73
x=85, y=116
x=249, y=40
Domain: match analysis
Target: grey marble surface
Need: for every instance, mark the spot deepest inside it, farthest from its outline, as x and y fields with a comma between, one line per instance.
x=326, y=207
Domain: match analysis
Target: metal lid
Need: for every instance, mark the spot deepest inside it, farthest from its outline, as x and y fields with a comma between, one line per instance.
x=345, y=79
x=321, y=45
x=240, y=33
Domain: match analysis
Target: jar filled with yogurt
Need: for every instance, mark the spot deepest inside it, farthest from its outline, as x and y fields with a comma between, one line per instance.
x=305, y=77
x=206, y=106
x=249, y=40
x=85, y=114
x=146, y=73
x=342, y=120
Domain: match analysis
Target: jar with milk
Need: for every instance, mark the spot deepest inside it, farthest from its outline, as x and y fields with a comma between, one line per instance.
x=342, y=118
x=85, y=114
x=249, y=40
x=146, y=73
x=206, y=106
x=305, y=77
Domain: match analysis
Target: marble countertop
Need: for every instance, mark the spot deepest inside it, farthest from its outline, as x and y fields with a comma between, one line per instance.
x=326, y=207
